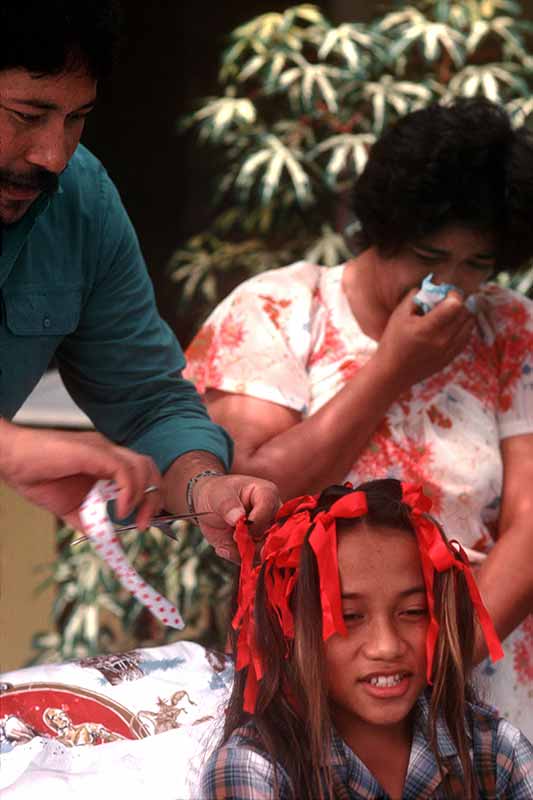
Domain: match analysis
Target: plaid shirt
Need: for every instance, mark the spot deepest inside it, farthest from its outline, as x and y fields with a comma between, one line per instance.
x=502, y=758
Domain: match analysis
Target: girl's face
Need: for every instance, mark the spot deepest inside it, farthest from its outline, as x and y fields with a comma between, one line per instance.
x=377, y=671
x=460, y=256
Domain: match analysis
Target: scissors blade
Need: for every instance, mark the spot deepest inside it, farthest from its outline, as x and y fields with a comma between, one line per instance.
x=164, y=519
x=162, y=522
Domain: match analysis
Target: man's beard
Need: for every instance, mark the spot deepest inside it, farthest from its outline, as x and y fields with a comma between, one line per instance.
x=37, y=179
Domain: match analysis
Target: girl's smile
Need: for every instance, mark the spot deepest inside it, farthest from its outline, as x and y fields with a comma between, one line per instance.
x=385, y=685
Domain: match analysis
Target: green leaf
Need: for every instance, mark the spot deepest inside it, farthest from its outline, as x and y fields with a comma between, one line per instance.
x=329, y=249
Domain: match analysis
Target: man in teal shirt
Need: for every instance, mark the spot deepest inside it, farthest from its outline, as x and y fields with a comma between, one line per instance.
x=74, y=285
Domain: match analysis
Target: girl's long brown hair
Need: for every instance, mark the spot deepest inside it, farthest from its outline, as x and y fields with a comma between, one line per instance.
x=292, y=714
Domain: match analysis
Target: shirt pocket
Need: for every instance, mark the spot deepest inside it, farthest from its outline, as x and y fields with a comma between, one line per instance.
x=42, y=312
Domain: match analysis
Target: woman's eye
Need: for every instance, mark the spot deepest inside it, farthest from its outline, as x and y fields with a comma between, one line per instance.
x=480, y=266
x=426, y=257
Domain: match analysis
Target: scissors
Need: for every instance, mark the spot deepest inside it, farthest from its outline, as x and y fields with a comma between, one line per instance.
x=163, y=522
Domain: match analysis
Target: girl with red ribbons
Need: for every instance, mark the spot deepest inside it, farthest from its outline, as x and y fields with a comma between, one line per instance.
x=353, y=638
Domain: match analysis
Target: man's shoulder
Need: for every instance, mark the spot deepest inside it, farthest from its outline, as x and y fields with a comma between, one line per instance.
x=85, y=176
x=84, y=162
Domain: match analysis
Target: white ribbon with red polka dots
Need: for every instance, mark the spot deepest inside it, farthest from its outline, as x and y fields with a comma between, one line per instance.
x=99, y=529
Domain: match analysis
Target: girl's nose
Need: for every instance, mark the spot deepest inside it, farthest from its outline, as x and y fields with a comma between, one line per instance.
x=384, y=642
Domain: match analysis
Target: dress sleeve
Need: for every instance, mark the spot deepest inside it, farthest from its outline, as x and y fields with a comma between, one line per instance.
x=239, y=773
x=123, y=365
x=511, y=318
x=257, y=341
x=514, y=764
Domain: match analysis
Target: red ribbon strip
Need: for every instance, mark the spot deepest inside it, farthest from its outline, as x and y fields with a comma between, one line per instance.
x=436, y=556
x=281, y=556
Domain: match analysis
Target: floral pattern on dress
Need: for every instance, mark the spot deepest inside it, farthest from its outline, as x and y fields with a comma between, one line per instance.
x=474, y=369
x=515, y=347
x=273, y=307
x=206, y=350
x=203, y=353
x=331, y=347
x=409, y=461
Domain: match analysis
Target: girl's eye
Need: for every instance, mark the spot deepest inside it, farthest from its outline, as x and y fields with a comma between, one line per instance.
x=352, y=616
x=414, y=613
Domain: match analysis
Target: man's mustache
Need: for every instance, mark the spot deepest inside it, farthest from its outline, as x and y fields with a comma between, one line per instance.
x=39, y=180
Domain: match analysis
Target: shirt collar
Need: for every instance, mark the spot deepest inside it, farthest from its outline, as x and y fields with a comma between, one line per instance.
x=13, y=237
x=445, y=743
x=423, y=774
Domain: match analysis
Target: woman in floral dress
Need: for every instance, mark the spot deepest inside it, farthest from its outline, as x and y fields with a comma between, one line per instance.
x=332, y=374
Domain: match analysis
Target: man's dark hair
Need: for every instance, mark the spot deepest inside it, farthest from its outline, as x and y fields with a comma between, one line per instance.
x=462, y=164
x=48, y=37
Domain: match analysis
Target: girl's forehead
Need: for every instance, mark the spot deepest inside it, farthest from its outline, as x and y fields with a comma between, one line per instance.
x=371, y=556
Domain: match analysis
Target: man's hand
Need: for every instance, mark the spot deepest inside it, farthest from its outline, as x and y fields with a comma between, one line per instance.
x=231, y=497
x=56, y=469
x=413, y=347
x=228, y=497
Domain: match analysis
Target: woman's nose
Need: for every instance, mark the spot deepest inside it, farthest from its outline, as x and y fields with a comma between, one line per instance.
x=447, y=274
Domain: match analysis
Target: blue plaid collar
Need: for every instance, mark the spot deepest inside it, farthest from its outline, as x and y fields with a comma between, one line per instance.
x=423, y=774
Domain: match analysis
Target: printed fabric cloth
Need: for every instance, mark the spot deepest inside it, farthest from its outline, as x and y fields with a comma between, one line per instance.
x=288, y=336
x=138, y=724
x=501, y=755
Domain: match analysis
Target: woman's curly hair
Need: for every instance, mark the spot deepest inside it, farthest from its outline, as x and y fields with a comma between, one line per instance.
x=461, y=164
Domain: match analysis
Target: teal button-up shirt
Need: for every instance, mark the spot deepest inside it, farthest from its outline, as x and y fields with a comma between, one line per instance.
x=73, y=283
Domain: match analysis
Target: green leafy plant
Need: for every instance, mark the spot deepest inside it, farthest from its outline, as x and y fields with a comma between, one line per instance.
x=93, y=613
x=301, y=103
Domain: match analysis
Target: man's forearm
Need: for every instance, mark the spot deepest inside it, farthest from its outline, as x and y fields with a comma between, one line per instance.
x=180, y=472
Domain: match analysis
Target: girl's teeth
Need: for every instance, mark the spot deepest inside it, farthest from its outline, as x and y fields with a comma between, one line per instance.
x=385, y=680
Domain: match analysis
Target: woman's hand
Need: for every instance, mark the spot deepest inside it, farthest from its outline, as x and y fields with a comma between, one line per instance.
x=56, y=469
x=415, y=346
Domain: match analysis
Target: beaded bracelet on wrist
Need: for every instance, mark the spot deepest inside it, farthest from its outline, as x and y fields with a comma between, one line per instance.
x=206, y=473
